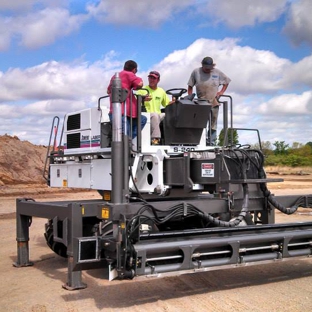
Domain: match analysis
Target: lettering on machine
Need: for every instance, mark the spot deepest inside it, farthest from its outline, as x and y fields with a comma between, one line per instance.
x=84, y=137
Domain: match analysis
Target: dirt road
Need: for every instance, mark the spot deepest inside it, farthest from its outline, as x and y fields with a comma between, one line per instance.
x=282, y=286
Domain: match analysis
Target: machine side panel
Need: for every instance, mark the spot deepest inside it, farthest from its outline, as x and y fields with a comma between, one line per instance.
x=78, y=175
x=94, y=174
x=58, y=175
x=101, y=174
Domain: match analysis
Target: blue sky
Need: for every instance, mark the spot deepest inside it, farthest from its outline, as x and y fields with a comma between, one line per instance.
x=58, y=56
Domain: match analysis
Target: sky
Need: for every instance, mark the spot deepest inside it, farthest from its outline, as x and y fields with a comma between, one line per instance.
x=57, y=57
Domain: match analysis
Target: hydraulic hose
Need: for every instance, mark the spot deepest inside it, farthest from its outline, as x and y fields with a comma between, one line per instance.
x=273, y=201
x=186, y=210
x=267, y=194
x=238, y=219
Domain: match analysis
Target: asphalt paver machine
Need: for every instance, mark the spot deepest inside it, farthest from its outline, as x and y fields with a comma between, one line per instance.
x=178, y=207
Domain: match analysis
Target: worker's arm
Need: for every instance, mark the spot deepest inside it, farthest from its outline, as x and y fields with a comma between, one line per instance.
x=221, y=92
x=189, y=90
x=139, y=85
x=109, y=87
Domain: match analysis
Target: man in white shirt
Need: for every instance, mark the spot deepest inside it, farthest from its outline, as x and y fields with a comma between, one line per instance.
x=207, y=79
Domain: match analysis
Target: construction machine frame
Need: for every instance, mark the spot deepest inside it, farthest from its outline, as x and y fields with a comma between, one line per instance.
x=179, y=207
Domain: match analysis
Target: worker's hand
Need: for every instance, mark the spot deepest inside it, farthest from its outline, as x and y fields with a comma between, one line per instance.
x=172, y=101
x=215, y=102
x=218, y=95
x=147, y=98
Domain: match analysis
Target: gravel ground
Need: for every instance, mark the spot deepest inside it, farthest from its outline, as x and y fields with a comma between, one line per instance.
x=281, y=286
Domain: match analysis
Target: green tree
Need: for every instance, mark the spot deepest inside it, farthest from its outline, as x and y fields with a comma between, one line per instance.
x=298, y=155
x=302, y=151
x=266, y=147
x=232, y=137
x=280, y=148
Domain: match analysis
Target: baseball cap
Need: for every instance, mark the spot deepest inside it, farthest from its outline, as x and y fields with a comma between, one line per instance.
x=154, y=74
x=207, y=62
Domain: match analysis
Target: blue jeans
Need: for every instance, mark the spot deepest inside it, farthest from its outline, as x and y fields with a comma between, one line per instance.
x=134, y=124
x=211, y=141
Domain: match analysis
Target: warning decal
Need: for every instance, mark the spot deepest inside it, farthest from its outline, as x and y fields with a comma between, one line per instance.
x=207, y=170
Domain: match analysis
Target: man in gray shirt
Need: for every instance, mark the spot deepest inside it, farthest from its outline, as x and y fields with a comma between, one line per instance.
x=207, y=80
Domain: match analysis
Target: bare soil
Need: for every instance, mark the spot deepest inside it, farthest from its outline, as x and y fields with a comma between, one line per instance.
x=279, y=286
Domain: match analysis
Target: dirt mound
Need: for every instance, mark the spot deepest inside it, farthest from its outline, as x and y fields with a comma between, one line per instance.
x=21, y=169
x=21, y=162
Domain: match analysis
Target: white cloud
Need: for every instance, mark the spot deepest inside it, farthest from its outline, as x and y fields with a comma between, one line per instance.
x=258, y=80
x=7, y=110
x=35, y=129
x=132, y=12
x=299, y=74
x=25, y=5
x=31, y=97
x=55, y=80
x=59, y=107
x=252, y=71
x=231, y=12
x=17, y=5
x=40, y=108
x=299, y=24
x=44, y=27
x=288, y=104
x=38, y=23
x=285, y=117
x=245, y=12
x=39, y=28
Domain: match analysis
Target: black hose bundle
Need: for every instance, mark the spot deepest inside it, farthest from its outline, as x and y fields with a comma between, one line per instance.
x=183, y=210
x=300, y=202
x=248, y=161
x=238, y=219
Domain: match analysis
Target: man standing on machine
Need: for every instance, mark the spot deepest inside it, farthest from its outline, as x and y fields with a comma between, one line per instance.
x=207, y=80
x=153, y=102
x=129, y=81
